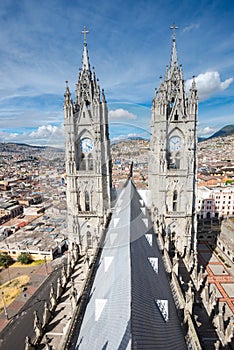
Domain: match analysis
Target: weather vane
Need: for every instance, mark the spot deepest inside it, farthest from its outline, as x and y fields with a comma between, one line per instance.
x=174, y=27
x=85, y=32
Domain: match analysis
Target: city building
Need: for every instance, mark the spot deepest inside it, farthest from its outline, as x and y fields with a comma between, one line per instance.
x=215, y=202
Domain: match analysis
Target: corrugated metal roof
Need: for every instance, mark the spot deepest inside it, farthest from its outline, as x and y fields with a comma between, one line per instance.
x=131, y=305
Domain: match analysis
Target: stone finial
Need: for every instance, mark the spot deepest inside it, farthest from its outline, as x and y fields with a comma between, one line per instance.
x=69, y=264
x=64, y=276
x=73, y=261
x=47, y=345
x=73, y=297
x=69, y=269
x=220, y=323
x=206, y=293
x=103, y=96
x=229, y=331
x=37, y=327
x=166, y=242
x=189, y=298
x=212, y=298
x=191, y=261
x=46, y=315
x=201, y=277
x=176, y=263
x=53, y=301
x=59, y=288
x=76, y=252
x=28, y=344
x=87, y=260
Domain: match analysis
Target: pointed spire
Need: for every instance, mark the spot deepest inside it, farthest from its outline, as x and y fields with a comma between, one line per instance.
x=67, y=91
x=103, y=96
x=67, y=94
x=166, y=74
x=193, y=92
x=94, y=76
x=85, y=59
x=193, y=87
x=174, y=60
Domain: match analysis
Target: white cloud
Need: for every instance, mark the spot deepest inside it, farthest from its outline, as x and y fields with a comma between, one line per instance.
x=121, y=114
x=191, y=27
x=45, y=135
x=8, y=136
x=46, y=131
x=206, y=131
x=208, y=84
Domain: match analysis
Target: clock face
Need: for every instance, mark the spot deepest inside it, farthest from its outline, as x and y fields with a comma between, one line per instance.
x=175, y=143
x=86, y=145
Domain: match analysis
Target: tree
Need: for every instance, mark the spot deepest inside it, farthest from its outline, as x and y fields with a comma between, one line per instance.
x=5, y=259
x=24, y=258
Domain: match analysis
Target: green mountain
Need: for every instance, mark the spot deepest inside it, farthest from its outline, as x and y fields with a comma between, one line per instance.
x=225, y=131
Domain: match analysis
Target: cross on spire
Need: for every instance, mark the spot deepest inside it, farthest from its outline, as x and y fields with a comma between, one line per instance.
x=85, y=32
x=174, y=27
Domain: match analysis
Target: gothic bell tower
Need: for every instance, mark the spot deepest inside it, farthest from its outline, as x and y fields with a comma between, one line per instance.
x=173, y=147
x=88, y=160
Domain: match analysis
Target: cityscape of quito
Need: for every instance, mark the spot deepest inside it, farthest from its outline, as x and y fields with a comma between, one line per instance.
x=118, y=246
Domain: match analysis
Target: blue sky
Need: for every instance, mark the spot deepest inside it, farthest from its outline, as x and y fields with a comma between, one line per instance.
x=129, y=45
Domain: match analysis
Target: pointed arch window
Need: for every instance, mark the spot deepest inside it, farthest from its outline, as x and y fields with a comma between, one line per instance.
x=87, y=201
x=90, y=162
x=82, y=162
x=89, y=240
x=175, y=200
x=170, y=164
x=78, y=200
x=176, y=116
x=172, y=102
x=177, y=160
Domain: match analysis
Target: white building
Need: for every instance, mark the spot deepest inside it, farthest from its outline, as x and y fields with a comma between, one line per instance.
x=215, y=202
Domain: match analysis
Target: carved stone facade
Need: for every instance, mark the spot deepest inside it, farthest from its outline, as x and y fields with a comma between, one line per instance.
x=173, y=157
x=88, y=160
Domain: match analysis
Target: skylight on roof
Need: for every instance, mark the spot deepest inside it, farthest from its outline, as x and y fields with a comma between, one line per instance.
x=163, y=308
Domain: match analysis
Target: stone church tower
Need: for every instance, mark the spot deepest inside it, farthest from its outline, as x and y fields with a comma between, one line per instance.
x=88, y=160
x=173, y=146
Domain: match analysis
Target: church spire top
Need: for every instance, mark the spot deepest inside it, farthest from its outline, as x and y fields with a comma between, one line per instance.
x=85, y=60
x=174, y=60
